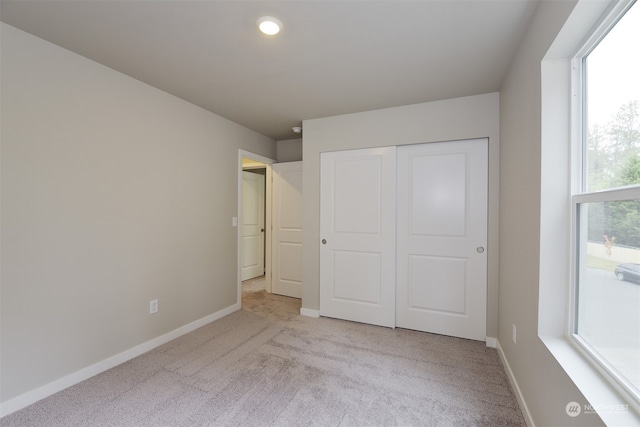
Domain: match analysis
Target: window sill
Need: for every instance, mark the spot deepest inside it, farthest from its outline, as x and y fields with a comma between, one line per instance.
x=602, y=397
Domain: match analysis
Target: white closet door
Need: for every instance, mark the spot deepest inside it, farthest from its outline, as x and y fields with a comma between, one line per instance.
x=287, y=229
x=252, y=225
x=441, y=238
x=357, y=232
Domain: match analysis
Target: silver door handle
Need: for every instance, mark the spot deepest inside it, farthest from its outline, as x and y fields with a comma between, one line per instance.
x=324, y=241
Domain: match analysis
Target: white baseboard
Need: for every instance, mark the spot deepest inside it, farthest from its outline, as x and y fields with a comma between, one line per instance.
x=514, y=384
x=309, y=312
x=491, y=342
x=53, y=387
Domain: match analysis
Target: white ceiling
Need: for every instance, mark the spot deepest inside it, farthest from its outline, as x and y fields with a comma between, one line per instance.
x=332, y=57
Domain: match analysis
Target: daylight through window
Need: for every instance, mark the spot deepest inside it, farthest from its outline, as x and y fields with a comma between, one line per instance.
x=607, y=205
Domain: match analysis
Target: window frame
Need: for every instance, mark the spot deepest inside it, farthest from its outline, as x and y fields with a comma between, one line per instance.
x=555, y=272
x=579, y=195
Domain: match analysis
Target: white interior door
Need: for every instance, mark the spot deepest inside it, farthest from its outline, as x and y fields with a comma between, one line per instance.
x=286, y=220
x=441, y=238
x=357, y=232
x=252, y=225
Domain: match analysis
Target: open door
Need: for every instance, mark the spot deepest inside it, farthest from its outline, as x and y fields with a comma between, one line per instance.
x=286, y=221
x=253, y=217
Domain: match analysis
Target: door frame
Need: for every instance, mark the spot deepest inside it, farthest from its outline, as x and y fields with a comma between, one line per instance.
x=267, y=223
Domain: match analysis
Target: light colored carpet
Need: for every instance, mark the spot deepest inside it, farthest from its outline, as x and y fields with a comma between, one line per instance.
x=266, y=365
x=254, y=285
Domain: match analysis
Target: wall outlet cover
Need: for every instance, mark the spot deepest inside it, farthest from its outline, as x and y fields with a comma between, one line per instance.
x=153, y=306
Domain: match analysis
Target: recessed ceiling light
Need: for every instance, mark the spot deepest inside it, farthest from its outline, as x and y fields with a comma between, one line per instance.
x=269, y=25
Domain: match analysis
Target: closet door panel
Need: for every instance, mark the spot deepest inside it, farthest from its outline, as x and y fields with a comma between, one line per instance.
x=441, y=238
x=357, y=232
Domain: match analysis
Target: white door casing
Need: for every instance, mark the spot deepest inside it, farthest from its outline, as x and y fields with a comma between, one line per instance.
x=286, y=219
x=357, y=232
x=253, y=210
x=441, y=238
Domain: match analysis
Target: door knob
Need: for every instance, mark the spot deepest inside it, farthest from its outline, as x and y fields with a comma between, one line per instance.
x=480, y=249
x=262, y=230
x=324, y=241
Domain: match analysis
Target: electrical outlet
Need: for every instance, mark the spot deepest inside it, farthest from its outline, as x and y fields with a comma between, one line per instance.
x=153, y=306
x=513, y=335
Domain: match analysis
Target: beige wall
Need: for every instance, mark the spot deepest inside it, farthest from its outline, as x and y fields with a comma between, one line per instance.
x=545, y=386
x=110, y=198
x=461, y=118
x=113, y=194
x=290, y=150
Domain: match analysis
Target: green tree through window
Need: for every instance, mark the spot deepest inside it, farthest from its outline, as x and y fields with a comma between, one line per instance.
x=606, y=202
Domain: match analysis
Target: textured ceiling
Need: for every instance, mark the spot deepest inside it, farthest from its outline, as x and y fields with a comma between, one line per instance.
x=332, y=57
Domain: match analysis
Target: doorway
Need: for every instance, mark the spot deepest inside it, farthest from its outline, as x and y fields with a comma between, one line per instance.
x=254, y=239
x=270, y=227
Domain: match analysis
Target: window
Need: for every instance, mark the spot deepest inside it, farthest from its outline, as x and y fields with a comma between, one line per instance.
x=606, y=203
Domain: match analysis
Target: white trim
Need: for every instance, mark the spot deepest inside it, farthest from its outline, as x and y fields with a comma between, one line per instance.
x=631, y=192
x=581, y=195
x=491, y=342
x=268, y=221
x=591, y=382
x=30, y=397
x=309, y=312
x=516, y=389
x=608, y=19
